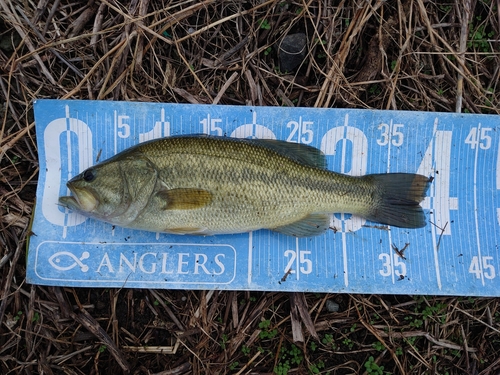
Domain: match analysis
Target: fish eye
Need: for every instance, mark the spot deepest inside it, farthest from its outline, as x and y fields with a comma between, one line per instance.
x=89, y=175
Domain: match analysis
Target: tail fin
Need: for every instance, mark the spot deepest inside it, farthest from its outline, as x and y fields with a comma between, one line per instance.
x=399, y=197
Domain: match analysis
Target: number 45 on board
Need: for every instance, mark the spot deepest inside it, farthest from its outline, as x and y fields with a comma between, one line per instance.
x=484, y=267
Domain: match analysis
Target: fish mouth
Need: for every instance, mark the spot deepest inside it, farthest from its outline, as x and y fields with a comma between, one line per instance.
x=81, y=200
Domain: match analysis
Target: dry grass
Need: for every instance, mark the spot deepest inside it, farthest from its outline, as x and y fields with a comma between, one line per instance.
x=405, y=54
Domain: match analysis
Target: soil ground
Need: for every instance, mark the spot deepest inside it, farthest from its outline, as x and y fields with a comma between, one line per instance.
x=420, y=55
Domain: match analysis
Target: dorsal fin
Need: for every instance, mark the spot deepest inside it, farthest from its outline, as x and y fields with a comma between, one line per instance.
x=299, y=152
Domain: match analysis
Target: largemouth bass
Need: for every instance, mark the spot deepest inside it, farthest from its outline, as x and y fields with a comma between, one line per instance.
x=213, y=185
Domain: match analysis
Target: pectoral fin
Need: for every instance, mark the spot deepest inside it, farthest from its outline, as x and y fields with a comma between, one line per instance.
x=185, y=198
x=311, y=225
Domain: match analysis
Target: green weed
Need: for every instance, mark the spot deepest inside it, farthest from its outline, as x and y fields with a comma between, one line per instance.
x=372, y=367
x=264, y=24
x=265, y=332
x=378, y=346
x=233, y=366
x=287, y=358
x=478, y=37
x=315, y=368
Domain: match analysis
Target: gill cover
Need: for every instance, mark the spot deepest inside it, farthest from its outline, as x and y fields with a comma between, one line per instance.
x=114, y=191
x=139, y=177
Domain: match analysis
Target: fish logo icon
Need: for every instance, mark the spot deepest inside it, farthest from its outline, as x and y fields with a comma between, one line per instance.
x=65, y=261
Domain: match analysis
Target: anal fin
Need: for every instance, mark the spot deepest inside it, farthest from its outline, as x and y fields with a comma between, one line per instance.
x=190, y=231
x=311, y=225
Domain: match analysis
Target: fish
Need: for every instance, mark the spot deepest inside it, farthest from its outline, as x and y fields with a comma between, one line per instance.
x=207, y=185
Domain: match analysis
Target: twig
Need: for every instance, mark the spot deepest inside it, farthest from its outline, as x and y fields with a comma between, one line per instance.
x=7, y=282
x=85, y=319
x=464, y=32
x=29, y=44
x=225, y=87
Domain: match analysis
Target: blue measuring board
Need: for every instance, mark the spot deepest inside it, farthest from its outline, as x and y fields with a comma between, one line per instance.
x=457, y=253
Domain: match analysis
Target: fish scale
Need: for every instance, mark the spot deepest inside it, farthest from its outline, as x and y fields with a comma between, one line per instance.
x=214, y=185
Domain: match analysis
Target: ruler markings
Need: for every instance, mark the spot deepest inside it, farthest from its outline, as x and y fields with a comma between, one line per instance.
x=437, y=269
x=250, y=259
x=297, y=260
x=316, y=260
x=498, y=180
x=115, y=124
x=342, y=216
x=389, y=233
x=70, y=166
x=476, y=222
